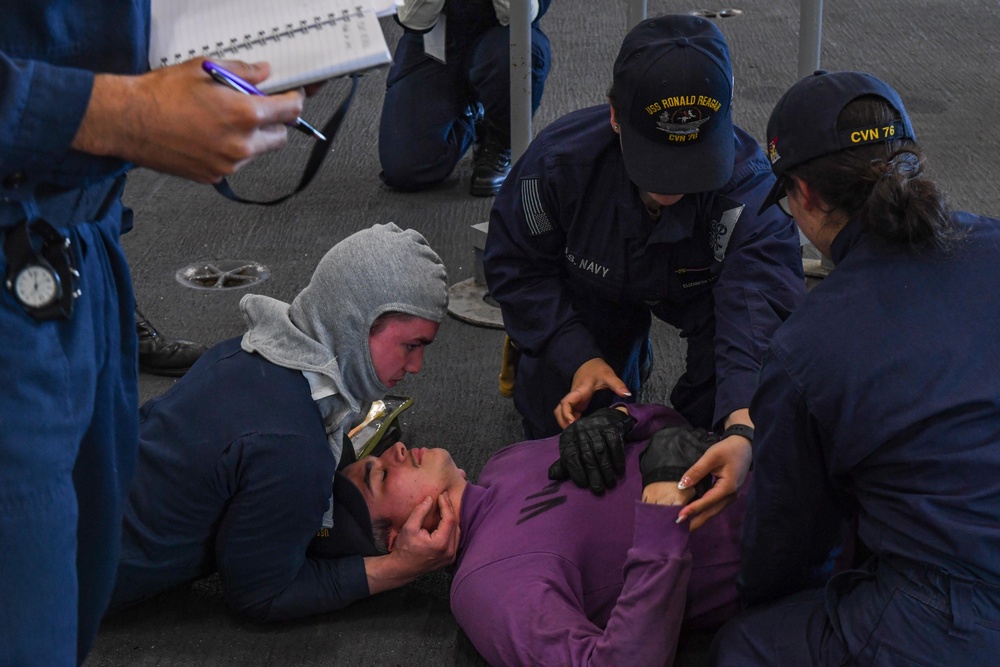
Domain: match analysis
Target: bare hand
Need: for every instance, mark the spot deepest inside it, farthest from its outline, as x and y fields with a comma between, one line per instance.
x=418, y=551
x=729, y=460
x=590, y=377
x=179, y=121
x=666, y=493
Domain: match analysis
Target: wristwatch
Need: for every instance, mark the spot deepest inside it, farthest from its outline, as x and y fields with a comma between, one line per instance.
x=738, y=429
x=36, y=286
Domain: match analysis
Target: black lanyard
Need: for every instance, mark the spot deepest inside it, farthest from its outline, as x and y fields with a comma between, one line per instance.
x=316, y=158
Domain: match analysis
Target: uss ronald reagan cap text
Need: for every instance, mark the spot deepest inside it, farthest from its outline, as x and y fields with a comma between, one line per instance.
x=803, y=125
x=673, y=96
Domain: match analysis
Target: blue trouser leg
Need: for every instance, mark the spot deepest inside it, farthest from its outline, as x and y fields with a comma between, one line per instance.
x=693, y=394
x=539, y=385
x=424, y=130
x=107, y=456
x=68, y=436
x=621, y=332
x=876, y=616
x=489, y=73
x=794, y=631
x=426, y=126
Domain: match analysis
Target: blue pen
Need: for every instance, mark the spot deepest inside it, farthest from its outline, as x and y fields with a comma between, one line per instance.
x=227, y=78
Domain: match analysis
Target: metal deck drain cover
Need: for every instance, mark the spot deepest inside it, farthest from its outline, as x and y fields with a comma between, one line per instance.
x=712, y=13
x=470, y=302
x=222, y=274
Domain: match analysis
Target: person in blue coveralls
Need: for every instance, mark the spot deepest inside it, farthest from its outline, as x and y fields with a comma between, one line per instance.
x=76, y=111
x=237, y=460
x=439, y=102
x=878, y=405
x=644, y=207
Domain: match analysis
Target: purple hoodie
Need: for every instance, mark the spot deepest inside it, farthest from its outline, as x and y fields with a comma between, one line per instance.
x=549, y=574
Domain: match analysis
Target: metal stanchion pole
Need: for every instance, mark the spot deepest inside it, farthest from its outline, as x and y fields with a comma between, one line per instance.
x=636, y=13
x=469, y=300
x=520, y=77
x=810, y=36
x=810, y=46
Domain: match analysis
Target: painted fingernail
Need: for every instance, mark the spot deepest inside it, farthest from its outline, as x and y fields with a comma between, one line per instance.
x=684, y=483
x=681, y=519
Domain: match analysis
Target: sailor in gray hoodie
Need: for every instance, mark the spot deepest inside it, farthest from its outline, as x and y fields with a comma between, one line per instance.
x=236, y=459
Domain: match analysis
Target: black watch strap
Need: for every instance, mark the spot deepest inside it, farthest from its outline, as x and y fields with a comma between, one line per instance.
x=738, y=429
x=53, y=255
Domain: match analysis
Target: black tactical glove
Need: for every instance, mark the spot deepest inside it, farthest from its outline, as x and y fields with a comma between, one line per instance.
x=592, y=450
x=672, y=451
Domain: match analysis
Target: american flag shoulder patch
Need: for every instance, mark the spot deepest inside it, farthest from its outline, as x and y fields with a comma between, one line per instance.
x=534, y=213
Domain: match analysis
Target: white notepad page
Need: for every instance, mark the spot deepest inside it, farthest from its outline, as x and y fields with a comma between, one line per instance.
x=305, y=41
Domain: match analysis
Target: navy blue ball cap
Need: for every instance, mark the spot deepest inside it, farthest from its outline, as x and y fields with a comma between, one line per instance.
x=673, y=90
x=803, y=125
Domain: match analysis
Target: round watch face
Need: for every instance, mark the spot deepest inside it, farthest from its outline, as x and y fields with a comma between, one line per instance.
x=36, y=286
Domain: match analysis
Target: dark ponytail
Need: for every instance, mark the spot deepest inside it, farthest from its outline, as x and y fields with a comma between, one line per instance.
x=883, y=183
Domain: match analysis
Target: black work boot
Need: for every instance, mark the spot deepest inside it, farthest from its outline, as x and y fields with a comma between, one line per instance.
x=172, y=357
x=490, y=160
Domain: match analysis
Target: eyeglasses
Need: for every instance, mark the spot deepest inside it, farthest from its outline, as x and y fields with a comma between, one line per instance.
x=783, y=202
x=783, y=205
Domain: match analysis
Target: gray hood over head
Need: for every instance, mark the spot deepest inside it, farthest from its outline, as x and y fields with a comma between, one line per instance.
x=325, y=328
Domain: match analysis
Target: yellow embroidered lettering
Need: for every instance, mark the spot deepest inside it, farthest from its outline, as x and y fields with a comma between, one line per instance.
x=710, y=102
x=680, y=101
x=868, y=134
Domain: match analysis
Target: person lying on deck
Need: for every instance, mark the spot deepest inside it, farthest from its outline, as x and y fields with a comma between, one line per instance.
x=547, y=573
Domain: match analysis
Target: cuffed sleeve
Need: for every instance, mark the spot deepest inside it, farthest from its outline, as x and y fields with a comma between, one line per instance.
x=793, y=520
x=41, y=107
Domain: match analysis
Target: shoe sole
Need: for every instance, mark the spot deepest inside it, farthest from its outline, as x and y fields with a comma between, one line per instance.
x=164, y=372
x=483, y=192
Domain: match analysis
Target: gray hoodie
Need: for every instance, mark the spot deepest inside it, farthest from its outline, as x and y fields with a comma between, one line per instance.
x=325, y=329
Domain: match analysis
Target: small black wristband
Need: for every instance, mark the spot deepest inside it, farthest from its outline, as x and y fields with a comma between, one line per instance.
x=738, y=429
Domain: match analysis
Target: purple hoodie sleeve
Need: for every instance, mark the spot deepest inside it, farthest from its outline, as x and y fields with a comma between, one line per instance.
x=540, y=620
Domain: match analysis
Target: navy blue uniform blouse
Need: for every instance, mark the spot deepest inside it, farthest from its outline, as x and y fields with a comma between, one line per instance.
x=569, y=234
x=880, y=398
x=235, y=475
x=47, y=63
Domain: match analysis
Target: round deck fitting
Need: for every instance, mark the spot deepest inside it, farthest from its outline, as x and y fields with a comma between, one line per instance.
x=470, y=302
x=222, y=274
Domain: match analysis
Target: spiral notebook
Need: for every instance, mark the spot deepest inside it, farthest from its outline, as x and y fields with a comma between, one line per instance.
x=305, y=41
